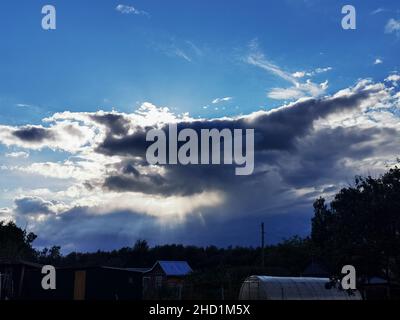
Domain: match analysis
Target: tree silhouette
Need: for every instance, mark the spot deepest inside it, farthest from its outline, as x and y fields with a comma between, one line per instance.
x=15, y=243
x=361, y=227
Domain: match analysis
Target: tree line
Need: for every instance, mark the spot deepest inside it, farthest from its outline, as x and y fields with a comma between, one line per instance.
x=360, y=226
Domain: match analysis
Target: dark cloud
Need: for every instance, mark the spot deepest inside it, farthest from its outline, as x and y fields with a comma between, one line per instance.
x=129, y=145
x=318, y=158
x=279, y=130
x=279, y=138
x=34, y=206
x=178, y=180
x=297, y=160
x=33, y=134
x=115, y=123
x=274, y=130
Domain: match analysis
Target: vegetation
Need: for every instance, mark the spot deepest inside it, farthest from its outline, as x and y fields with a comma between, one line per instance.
x=16, y=243
x=361, y=227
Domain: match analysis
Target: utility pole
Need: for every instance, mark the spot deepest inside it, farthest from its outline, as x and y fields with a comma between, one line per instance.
x=262, y=245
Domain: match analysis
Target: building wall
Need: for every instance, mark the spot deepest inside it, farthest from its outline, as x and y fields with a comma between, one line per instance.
x=96, y=284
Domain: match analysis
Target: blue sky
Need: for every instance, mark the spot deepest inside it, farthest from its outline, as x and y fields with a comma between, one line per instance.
x=210, y=59
x=99, y=57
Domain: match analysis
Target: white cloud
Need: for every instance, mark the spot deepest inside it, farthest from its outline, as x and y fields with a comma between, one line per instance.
x=20, y=154
x=181, y=54
x=6, y=215
x=393, y=78
x=285, y=93
x=379, y=10
x=157, y=206
x=302, y=74
x=322, y=70
x=125, y=9
x=219, y=100
x=393, y=26
x=299, y=74
x=298, y=89
x=378, y=61
x=80, y=171
x=257, y=58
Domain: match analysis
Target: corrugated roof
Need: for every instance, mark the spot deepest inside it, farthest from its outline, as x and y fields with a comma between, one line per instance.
x=174, y=268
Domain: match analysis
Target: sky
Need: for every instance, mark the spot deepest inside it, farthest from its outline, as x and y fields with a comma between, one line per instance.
x=76, y=101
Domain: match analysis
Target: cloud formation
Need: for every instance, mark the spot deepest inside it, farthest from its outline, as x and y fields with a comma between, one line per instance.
x=126, y=9
x=393, y=26
x=20, y=154
x=219, y=100
x=103, y=187
x=298, y=89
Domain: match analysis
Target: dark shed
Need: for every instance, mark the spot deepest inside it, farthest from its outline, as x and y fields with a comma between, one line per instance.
x=98, y=283
x=23, y=280
x=17, y=279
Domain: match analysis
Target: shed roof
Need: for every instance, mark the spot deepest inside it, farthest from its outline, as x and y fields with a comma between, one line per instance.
x=174, y=268
x=15, y=262
x=138, y=270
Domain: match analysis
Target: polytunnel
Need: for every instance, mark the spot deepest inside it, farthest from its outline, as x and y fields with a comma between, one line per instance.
x=284, y=288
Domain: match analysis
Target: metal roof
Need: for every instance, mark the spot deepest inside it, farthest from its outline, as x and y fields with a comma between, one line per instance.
x=138, y=270
x=285, y=288
x=4, y=261
x=174, y=268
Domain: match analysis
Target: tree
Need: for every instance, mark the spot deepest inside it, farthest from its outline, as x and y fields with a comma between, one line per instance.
x=50, y=256
x=362, y=226
x=141, y=246
x=15, y=243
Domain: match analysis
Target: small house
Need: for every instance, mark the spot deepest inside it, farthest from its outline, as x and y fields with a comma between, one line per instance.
x=165, y=280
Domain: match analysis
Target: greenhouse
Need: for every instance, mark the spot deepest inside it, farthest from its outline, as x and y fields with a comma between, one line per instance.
x=283, y=288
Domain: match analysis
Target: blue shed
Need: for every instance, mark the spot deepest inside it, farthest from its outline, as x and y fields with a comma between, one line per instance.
x=165, y=278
